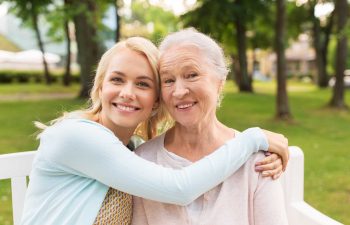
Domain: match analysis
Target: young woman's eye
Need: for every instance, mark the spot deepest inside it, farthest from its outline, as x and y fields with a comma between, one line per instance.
x=143, y=84
x=117, y=80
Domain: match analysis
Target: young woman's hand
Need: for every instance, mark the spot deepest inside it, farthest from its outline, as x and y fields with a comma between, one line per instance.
x=278, y=144
x=270, y=166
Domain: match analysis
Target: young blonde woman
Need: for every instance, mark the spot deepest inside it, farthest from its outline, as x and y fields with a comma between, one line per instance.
x=83, y=172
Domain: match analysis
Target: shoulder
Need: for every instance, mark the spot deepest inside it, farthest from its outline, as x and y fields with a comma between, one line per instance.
x=246, y=172
x=75, y=134
x=150, y=147
x=75, y=129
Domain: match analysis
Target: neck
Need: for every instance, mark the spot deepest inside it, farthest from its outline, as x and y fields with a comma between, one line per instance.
x=195, y=142
x=122, y=133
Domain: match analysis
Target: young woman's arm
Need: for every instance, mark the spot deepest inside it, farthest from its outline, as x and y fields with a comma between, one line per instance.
x=93, y=151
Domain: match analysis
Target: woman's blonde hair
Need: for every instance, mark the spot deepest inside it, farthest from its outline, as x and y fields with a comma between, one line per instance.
x=147, y=129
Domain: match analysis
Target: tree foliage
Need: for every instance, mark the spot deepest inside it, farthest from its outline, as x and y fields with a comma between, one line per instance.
x=153, y=21
x=29, y=12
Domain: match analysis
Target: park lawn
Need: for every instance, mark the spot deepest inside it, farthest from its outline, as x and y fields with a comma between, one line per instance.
x=323, y=134
x=35, y=88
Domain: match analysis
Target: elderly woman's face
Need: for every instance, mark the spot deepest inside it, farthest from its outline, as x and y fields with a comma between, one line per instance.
x=190, y=86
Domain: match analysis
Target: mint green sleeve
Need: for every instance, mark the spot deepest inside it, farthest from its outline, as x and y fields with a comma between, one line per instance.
x=90, y=150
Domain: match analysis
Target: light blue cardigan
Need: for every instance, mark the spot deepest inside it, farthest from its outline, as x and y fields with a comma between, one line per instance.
x=78, y=160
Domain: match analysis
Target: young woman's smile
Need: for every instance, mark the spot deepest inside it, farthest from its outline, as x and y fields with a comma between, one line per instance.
x=128, y=92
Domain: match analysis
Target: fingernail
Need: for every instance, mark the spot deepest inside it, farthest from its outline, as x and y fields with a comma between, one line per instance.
x=257, y=163
x=258, y=168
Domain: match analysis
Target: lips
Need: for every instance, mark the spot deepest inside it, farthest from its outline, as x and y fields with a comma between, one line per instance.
x=125, y=107
x=185, y=105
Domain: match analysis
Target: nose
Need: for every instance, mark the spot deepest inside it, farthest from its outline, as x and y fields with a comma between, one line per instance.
x=127, y=92
x=180, y=90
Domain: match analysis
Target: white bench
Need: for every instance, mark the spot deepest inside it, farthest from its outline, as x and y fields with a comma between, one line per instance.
x=17, y=166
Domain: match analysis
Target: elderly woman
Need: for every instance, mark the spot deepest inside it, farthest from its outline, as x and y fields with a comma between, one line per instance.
x=193, y=73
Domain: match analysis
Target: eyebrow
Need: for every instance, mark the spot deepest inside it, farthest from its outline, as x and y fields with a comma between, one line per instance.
x=141, y=77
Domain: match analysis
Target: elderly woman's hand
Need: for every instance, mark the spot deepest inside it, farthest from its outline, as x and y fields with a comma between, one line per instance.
x=278, y=144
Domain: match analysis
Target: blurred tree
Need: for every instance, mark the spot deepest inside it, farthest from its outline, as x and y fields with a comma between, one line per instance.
x=117, y=5
x=29, y=12
x=282, y=106
x=226, y=21
x=302, y=19
x=321, y=37
x=143, y=21
x=59, y=18
x=87, y=18
x=67, y=78
x=341, y=13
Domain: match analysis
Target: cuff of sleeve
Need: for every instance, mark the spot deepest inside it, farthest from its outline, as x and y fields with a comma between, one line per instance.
x=259, y=137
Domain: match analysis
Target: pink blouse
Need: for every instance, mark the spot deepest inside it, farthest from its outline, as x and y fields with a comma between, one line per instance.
x=245, y=198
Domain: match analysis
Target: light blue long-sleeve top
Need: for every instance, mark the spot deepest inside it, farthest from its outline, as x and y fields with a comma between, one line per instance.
x=78, y=160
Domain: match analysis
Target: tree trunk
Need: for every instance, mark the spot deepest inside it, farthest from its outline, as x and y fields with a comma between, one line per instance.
x=320, y=63
x=235, y=70
x=118, y=23
x=67, y=75
x=87, y=41
x=34, y=16
x=341, y=9
x=323, y=82
x=320, y=42
x=282, y=106
x=245, y=82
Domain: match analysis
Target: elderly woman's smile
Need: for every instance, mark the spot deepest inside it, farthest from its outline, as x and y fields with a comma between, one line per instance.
x=190, y=87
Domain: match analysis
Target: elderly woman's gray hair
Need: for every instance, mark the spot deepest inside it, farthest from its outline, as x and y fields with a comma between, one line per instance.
x=211, y=50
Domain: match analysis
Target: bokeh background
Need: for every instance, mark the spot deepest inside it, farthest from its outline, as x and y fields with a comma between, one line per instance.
x=289, y=63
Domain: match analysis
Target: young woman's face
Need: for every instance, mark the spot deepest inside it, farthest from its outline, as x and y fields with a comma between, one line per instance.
x=128, y=91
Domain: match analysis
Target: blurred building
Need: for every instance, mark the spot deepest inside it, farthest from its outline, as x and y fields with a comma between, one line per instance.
x=300, y=60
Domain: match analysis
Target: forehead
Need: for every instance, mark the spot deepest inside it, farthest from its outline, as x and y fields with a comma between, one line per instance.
x=130, y=61
x=180, y=56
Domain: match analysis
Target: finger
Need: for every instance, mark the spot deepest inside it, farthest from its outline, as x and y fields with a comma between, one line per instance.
x=285, y=159
x=275, y=177
x=269, y=159
x=271, y=166
x=274, y=174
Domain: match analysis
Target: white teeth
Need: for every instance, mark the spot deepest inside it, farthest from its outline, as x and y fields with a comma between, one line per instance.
x=184, y=106
x=126, y=108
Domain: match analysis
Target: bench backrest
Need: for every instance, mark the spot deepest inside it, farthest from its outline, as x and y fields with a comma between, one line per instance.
x=17, y=167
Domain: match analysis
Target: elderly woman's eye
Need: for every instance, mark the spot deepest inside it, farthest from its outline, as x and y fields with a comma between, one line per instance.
x=191, y=75
x=168, y=81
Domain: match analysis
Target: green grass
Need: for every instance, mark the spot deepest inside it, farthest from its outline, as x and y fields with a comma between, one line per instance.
x=322, y=133
x=33, y=88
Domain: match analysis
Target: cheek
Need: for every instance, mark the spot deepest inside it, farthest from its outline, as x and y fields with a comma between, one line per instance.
x=149, y=99
x=165, y=95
